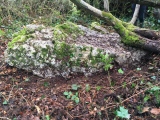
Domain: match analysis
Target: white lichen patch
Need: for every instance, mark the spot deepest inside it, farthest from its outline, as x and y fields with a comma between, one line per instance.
x=65, y=49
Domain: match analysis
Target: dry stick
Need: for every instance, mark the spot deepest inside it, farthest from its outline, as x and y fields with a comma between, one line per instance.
x=123, y=79
x=132, y=96
x=24, y=99
x=139, y=93
x=128, y=82
x=5, y=118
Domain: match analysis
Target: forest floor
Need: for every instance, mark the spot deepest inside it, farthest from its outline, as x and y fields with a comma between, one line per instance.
x=24, y=96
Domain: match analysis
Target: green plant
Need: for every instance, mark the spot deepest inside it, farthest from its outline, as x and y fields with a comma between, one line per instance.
x=5, y=102
x=2, y=33
x=70, y=95
x=133, y=85
x=75, y=86
x=153, y=77
x=26, y=79
x=156, y=92
x=122, y=113
x=107, y=61
x=46, y=84
x=98, y=88
x=124, y=85
x=139, y=108
x=146, y=98
x=87, y=87
x=138, y=69
x=42, y=97
x=120, y=71
x=47, y=117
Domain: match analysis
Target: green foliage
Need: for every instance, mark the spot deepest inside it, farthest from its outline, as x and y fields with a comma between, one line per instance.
x=122, y=113
x=120, y=71
x=19, y=37
x=70, y=95
x=138, y=69
x=88, y=88
x=124, y=85
x=31, y=10
x=107, y=61
x=155, y=88
x=155, y=91
x=153, y=77
x=146, y=98
x=2, y=33
x=47, y=117
x=75, y=86
x=46, y=84
x=139, y=108
x=104, y=58
x=98, y=88
x=74, y=15
x=27, y=79
x=5, y=102
x=133, y=85
x=61, y=31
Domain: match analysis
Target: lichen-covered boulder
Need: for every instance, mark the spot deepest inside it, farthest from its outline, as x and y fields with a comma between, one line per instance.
x=66, y=49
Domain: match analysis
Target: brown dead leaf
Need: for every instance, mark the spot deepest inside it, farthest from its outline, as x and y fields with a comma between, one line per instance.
x=155, y=111
x=70, y=106
x=38, y=109
x=8, y=71
x=145, y=109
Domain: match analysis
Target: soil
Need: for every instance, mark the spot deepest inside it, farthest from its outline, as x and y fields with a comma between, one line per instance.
x=24, y=96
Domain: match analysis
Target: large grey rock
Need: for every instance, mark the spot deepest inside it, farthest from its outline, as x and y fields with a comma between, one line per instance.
x=67, y=49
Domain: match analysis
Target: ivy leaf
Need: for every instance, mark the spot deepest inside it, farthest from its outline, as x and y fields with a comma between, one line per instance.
x=120, y=71
x=73, y=97
x=153, y=77
x=65, y=93
x=75, y=87
x=5, y=102
x=138, y=69
x=47, y=117
x=155, y=88
x=88, y=88
x=122, y=113
x=98, y=88
x=76, y=100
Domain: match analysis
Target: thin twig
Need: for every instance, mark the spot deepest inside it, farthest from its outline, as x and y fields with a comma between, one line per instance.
x=139, y=93
x=5, y=118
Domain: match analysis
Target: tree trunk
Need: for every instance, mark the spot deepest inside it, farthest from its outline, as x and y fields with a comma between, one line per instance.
x=135, y=15
x=151, y=3
x=131, y=35
x=106, y=5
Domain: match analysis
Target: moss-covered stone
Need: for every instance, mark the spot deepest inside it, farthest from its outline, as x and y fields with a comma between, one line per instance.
x=47, y=58
x=52, y=51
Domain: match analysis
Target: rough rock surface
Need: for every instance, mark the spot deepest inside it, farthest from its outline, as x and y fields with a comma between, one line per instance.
x=67, y=49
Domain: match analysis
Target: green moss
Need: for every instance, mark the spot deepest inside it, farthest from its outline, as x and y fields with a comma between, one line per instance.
x=62, y=31
x=63, y=51
x=128, y=37
x=129, y=26
x=19, y=37
x=21, y=32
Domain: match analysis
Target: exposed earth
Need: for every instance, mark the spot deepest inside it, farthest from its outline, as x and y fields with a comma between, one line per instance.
x=24, y=96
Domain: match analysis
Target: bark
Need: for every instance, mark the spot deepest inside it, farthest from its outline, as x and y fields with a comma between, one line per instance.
x=106, y=5
x=135, y=15
x=151, y=3
x=131, y=35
